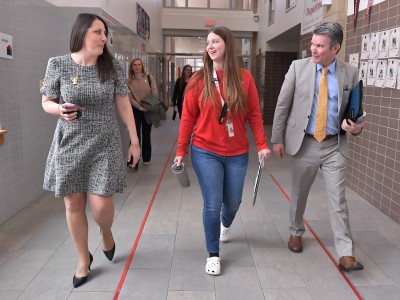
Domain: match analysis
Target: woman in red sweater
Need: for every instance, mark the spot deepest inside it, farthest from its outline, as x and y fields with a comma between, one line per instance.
x=219, y=100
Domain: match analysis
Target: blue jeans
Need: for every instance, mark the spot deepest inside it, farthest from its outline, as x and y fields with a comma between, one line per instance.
x=221, y=180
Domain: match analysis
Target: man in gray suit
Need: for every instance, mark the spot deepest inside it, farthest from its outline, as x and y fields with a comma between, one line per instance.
x=293, y=132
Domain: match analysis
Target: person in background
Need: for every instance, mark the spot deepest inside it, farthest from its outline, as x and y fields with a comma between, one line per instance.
x=85, y=160
x=179, y=89
x=140, y=85
x=308, y=118
x=219, y=100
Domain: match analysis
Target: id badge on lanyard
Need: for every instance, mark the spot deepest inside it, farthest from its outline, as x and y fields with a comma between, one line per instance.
x=228, y=123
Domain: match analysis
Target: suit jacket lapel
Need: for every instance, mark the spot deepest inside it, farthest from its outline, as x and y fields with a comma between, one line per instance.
x=311, y=73
x=340, y=72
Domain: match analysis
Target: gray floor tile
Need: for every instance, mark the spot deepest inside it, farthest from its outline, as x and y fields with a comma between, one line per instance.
x=379, y=293
x=146, y=284
x=9, y=295
x=377, y=247
x=190, y=235
x=49, y=284
x=287, y=294
x=392, y=270
x=22, y=267
x=263, y=235
x=276, y=269
x=76, y=295
x=191, y=295
x=227, y=287
x=187, y=272
x=154, y=251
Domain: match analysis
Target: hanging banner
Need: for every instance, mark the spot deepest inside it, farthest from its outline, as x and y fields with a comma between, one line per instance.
x=368, y=12
x=6, y=46
x=356, y=7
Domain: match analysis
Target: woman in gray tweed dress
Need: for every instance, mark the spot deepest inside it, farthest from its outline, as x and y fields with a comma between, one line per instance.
x=85, y=160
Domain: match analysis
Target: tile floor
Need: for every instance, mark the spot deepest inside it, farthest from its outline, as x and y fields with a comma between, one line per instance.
x=160, y=251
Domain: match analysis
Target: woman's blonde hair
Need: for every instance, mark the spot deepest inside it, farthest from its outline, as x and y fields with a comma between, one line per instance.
x=131, y=75
x=233, y=89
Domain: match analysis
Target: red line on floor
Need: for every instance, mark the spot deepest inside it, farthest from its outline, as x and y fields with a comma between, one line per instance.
x=132, y=253
x=320, y=243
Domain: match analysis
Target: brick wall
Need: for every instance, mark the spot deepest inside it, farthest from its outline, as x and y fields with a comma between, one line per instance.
x=276, y=66
x=374, y=164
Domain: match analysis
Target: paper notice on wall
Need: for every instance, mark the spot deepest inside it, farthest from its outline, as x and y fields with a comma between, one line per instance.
x=354, y=59
x=384, y=44
x=391, y=73
x=394, y=45
x=373, y=45
x=380, y=73
x=6, y=46
x=365, y=46
x=371, y=72
x=362, y=74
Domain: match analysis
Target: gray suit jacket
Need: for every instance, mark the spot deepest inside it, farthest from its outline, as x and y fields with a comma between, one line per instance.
x=295, y=102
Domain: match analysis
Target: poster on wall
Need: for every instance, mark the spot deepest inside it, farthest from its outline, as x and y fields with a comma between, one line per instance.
x=381, y=73
x=394, y=47
x=110, y=37
x=365, y=46
x=354, y=59
x=391, y=73
x=373, y=45
x=6, y=46
x=142, y=22
x=384, y=44
x=362, y=74
x=312, y=15
x=371, y=72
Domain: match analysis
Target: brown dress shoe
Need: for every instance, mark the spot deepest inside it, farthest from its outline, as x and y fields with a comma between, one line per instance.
x=295, y=244
x=349, y=263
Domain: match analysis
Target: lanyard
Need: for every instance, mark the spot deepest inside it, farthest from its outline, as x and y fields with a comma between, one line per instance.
x=216, y=81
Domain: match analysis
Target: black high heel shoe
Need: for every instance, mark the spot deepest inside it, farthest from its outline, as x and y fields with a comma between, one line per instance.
x=110, y=253
x=78, y=281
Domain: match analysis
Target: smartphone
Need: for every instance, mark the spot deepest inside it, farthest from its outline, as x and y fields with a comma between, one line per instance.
x=72, y=106
x=77, y=107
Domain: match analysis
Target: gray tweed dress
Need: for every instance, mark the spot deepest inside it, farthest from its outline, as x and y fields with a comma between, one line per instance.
x=86, y=154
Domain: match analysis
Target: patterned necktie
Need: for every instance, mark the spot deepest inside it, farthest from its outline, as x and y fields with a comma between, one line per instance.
x=322, y=110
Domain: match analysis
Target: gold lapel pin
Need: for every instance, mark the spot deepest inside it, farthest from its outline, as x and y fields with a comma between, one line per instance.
x=74, y=79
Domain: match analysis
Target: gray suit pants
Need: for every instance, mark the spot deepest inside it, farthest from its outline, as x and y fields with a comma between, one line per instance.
x=305, y=164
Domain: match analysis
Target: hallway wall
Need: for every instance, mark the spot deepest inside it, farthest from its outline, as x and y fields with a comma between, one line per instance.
x=374, y=166
x=40, y=31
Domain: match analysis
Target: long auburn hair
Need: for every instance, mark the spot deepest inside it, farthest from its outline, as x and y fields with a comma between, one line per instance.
x=233, y=89
x=104, y=63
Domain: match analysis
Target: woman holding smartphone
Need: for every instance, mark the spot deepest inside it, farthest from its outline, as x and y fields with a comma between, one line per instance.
x=85, y=162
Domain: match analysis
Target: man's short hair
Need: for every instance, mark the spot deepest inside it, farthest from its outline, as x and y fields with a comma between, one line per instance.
x=331, y=29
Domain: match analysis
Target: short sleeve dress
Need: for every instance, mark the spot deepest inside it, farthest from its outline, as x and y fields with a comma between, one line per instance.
x=86, y=154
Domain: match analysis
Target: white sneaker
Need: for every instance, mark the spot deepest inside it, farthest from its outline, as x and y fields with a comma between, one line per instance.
x=225, y=233
x=213, y=266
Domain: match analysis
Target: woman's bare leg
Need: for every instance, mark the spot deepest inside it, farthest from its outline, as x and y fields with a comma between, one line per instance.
x=103, y=213
x=75, y=205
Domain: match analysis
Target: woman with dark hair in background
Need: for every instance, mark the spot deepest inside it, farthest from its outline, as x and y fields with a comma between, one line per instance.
x=85, y=161
x=179, y=89
x=219, y=100
x=140, y=85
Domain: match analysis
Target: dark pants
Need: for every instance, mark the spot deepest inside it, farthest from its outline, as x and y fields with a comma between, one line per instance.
x=143, y=131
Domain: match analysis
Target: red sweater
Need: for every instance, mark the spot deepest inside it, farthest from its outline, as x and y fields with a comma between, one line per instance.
x=208, y=134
